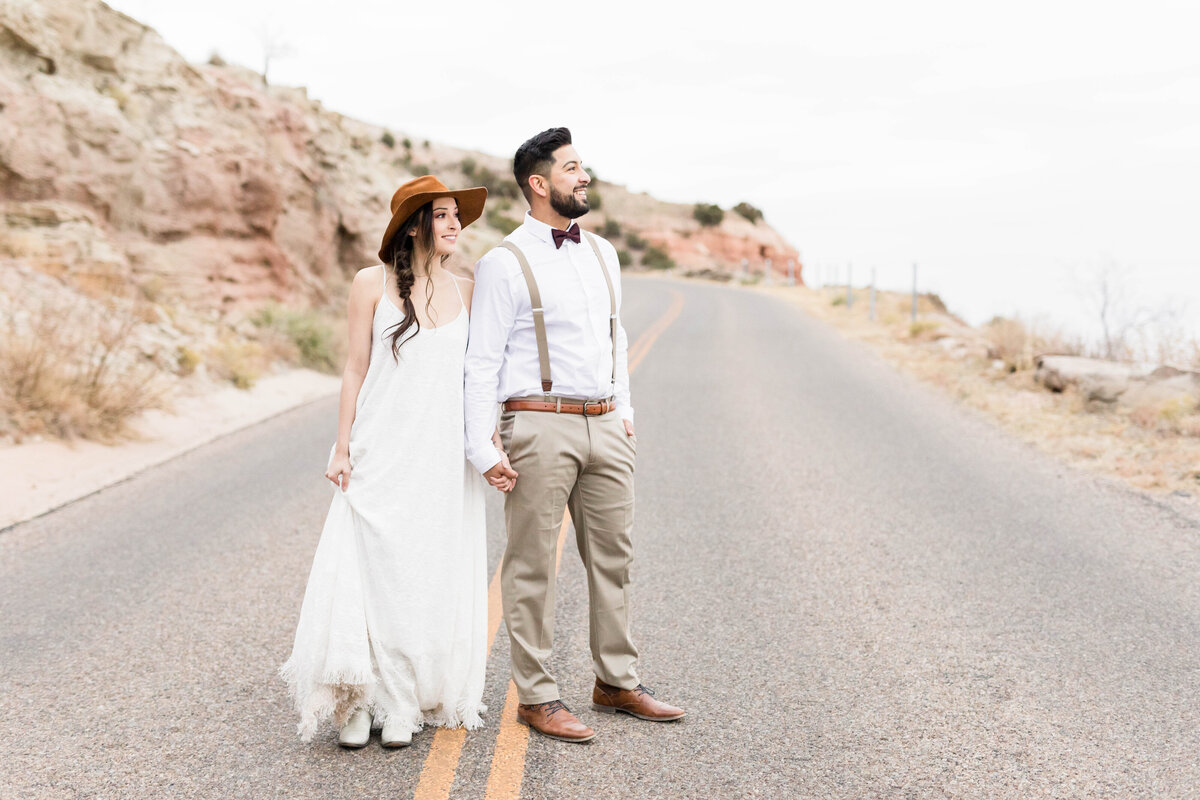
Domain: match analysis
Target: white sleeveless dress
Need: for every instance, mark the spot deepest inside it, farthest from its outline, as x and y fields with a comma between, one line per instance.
x=395, y=613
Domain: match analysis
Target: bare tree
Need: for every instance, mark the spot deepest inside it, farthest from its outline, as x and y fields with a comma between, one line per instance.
x=1127, y=323
x=272, y=38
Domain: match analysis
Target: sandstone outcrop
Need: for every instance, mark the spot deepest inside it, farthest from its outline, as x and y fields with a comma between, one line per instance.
x=134, y=166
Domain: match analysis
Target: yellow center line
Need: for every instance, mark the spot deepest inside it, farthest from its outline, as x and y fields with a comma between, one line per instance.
x=642, y=346
x=508, y=759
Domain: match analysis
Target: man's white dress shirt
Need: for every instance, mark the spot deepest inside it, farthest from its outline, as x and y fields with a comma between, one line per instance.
x=502, y=356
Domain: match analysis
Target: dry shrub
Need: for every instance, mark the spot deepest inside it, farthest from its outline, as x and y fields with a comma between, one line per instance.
x=1009, y=340
x=1176, y=414
x=921, y=327
x=240, y=363
x=186, y=361
x=69, y=368
x=302, y=335
x=1017, y=343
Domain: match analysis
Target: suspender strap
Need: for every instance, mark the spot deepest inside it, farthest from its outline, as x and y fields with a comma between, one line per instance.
x=612, y=303
x=539, y=315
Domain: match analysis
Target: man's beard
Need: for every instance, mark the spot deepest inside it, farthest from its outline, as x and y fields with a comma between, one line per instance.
x=568, y=205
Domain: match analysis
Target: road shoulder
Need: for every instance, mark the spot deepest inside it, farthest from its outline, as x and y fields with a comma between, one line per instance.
x=41, y=476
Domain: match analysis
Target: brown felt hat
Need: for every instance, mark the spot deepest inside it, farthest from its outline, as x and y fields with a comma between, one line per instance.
x=419, y=191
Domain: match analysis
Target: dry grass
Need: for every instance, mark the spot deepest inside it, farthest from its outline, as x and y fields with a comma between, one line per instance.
x=1155, y=447
x=1017, y=342
x=239, y=362
x=69, y=368
x=303, y=336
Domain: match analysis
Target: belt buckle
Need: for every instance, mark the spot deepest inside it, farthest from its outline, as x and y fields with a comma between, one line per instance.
x=587, y=403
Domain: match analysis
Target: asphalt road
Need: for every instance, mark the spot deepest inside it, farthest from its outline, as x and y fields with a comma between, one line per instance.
x=856, y=588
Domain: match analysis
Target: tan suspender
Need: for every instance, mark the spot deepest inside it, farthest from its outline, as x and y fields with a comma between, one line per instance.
x=612, y=304
x=539, y=314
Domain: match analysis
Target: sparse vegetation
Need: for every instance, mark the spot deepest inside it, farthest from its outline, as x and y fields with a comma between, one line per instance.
x=595, y=202
x=624, y=258
x=186, y=361
x=1148, y=437
x=498, y=186
x=749, y=212
x=919, y=327
x=388, y=140
x=1018, y=343
x=611, y=229
x=117, y=93
x=635, y=242
x=72, y=369
x=657, y=258
x=240, y=363
x=496, y=218
x=708, y=214
x=311, y=335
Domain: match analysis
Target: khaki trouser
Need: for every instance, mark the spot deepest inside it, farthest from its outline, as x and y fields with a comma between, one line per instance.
x=586, y=462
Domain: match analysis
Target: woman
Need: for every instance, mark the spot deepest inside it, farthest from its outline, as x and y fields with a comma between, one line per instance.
x=392, y=629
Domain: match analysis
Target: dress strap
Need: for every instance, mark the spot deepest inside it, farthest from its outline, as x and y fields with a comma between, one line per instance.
x=383, y=273
x=455, y=280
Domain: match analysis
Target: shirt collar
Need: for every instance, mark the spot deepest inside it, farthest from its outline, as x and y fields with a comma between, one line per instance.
x=540, y=229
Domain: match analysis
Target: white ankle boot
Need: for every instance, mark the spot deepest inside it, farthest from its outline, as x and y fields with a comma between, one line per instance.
x=395, y=735
x=357, y=730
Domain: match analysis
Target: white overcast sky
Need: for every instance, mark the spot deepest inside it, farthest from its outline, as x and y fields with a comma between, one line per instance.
x=1008, y=148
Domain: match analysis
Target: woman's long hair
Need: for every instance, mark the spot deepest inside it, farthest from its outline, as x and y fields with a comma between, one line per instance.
x=404, y=250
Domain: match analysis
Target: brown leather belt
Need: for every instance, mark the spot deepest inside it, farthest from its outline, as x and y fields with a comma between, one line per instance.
x=559, y=405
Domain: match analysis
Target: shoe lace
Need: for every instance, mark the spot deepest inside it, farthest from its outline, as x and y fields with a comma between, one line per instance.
x=644, y=690
x=553, y=706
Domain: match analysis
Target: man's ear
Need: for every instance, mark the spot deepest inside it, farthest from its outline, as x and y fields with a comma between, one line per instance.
x=539, y=184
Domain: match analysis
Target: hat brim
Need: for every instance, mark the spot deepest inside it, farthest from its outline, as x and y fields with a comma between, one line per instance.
x=470, y=208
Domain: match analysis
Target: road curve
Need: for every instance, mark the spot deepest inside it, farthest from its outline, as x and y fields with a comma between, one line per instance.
x=855, y=587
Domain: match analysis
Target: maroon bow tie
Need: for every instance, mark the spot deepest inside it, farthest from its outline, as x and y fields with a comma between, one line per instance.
x=571, y=233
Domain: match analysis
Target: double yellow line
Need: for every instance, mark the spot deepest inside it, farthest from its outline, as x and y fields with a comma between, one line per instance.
x=508, y=758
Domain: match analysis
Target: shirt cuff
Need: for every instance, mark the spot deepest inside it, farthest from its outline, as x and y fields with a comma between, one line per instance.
x=625, y=412
x=485, y=458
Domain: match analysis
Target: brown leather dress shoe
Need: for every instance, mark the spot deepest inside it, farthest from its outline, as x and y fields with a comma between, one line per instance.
x=553, y=719
x=638, y=702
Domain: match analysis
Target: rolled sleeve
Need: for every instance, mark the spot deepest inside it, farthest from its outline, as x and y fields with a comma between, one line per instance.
x=492, y=316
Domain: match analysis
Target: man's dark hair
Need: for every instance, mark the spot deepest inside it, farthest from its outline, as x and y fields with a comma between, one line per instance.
x=536, y=157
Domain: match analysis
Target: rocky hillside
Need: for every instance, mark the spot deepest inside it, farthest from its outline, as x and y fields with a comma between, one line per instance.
x=122, y=163
x=166, y=225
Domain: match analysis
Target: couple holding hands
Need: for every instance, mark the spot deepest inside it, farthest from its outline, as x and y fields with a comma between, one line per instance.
x=393, y=628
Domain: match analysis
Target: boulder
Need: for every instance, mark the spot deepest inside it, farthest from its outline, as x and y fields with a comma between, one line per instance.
x=1095, y=379
x=1166, y=386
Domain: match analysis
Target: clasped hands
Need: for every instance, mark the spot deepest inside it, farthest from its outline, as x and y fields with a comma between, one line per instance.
x=502, y=475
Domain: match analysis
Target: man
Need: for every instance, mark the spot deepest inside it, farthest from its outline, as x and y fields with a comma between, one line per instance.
x=546, y=342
